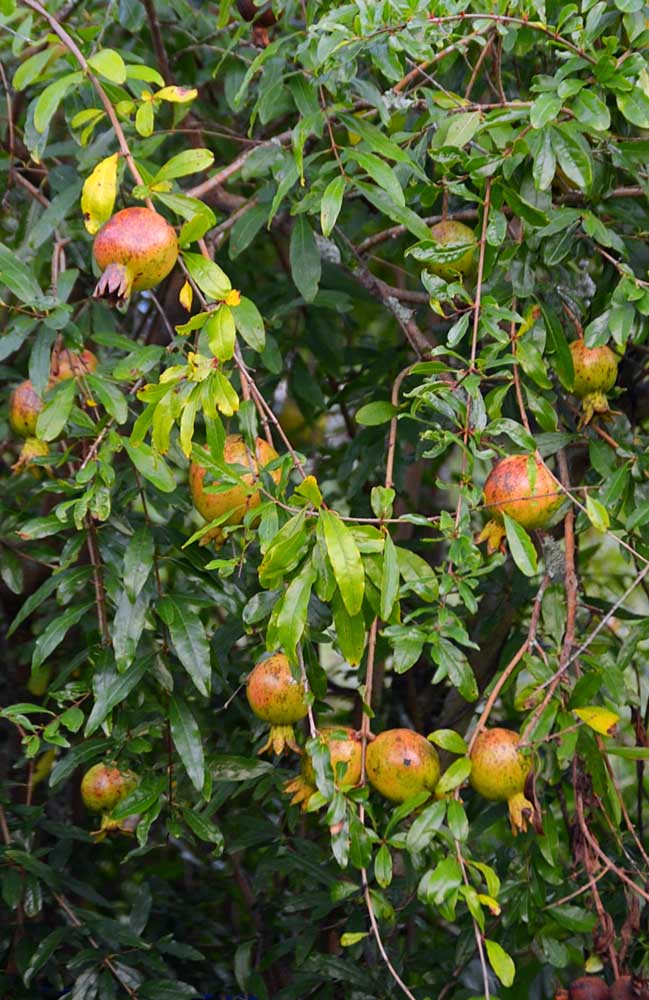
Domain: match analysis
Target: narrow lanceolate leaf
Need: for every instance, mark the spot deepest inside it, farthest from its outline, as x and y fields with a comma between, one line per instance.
x=345, y=560
x=56, y=632
x=187, y=741
x=389, y=578
x=292, y=616
x=190, y=642
x=98, y=194
x=350, y=631
x=521, y=547
x=304, y=255
x=330, y=205
x=53, y=417
x=110, y=688
x=381, y=173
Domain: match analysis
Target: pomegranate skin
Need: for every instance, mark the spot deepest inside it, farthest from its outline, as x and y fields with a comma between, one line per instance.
x=103, y=786
x=347, y=750
x=595, y=368
x=498, y=768
x=24, y=406
x=68, y=364
x=276, y=697
x=453, y=232
x=262, y=16
x=508, y=491
x=400, y=763
x=589, y=988
x=136, y=249
x=237, y=499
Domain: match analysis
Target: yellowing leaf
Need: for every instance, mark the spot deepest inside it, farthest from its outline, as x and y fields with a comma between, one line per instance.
x=177, y=95
x=600, y=719
x=98, y=194
x=186, y=296
x=490, y=903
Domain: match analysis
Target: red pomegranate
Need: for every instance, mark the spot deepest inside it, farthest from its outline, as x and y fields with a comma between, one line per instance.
x=135, y=250
x=275, y=696
x=589, y=988
x=400, y=763
x=595, y=374
x=523, y=488
x=499, y=771
x=68, y=364
x=344, y=748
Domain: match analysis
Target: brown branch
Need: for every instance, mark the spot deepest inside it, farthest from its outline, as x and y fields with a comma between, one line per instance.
x=100, y=592
x=158, y=43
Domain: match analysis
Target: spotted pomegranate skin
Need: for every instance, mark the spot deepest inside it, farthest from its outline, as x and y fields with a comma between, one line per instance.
x=589, y=988
x=595, y=368
x=263, y=16
x=24, y=406
x=68, y=364
x=135, y=250
x=508, y=491
x=347, y=750
x=103, y=786
x=237, y=499
x=400, y=763
x=275, y=696
x=448, y=232
x=499, y=772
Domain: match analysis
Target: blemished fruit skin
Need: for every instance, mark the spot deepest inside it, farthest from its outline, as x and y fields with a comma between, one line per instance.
x=499, y=772
x=237, y=499
x=453, y=232
x=103, y=786
x=136, y=249
x=276, y=697
x=347, y=750
x=24, y=406
x=68, y=364
x=589, y=988
x=262, y=16
x=400, y=763
x=508, y=491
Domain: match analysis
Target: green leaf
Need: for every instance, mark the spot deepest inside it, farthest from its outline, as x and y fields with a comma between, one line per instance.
x=109, y=396
x=521, y=547
x=597, y=514
x=204, y=829
x=634, y=105
x=187, y=741
x=110, y=688
x=545, y=109
x=151, y=465
x=454, y=776
x=54, y=415
x=190, y=161
x=138, y=561
x=500, y=962
x=293, y=610
x=221, y=333
x=373, y=414
x=449, y=740
x=109, y=64
x=249, y=323
x=189, y=639
x=306, y=266
x=462, y=128
x=350, y=631
x=383, y=866
x=561, y=356
x=48, y=102
x=229, y=767
x=591, y=111
x=380, y=172
x=345, y=560
x=18, y=278
x=212, y=281
x=331, y=203
x=56, y=632
x=43, y=953
x=573, y=918
x=573, y=155
x=389, y=578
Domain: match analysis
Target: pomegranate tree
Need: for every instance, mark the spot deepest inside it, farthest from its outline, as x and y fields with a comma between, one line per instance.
x=276, y=697
x=136, y=249
x=499, y=771
x=595, y=374
x=400, y=763
x=235, y=500
x=344, y=747
x=523, y=488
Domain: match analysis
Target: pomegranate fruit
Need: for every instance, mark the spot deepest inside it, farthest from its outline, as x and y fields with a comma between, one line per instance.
x=400, y=763
x=263, y=15
x=275, y=696
x=508, y=490
x=499, y=771
x=103, y=786
x=24, y=406
x=237, y=500
x=342, y=750
x=68, y=364
x=447, y=233
x=31, y=449
x=135, y=250
x=589, y=988
x=595, y=374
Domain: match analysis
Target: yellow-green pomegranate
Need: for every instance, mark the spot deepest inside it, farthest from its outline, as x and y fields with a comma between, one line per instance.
x=595, y=375
x=400, y=763
x=276, y=697
x=499, y=771
x=449, y=233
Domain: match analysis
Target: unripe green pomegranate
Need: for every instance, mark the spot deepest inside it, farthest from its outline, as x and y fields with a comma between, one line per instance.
x=595, y=374
x=499, y=771
x=236, y=499
x=24, y=406
x=68, y=364
x=508, y=490
x=448, y=233
x=345, y=749
x=136, y=249
x=275, y=696
x=589, y=988
x=103, y=786
x=400, y=763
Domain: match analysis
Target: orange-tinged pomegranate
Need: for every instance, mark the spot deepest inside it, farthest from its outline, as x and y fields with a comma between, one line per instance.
x=400, y=763
x=523, y=488
x=595, y=374
x=275, y=696
x=344, y=748
x=447, y=233
x=136, y=249
x=103, y=786
x=24, y=406
x=499, y=771
x=589, y=988
x=237, y=500
x=68, y=364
